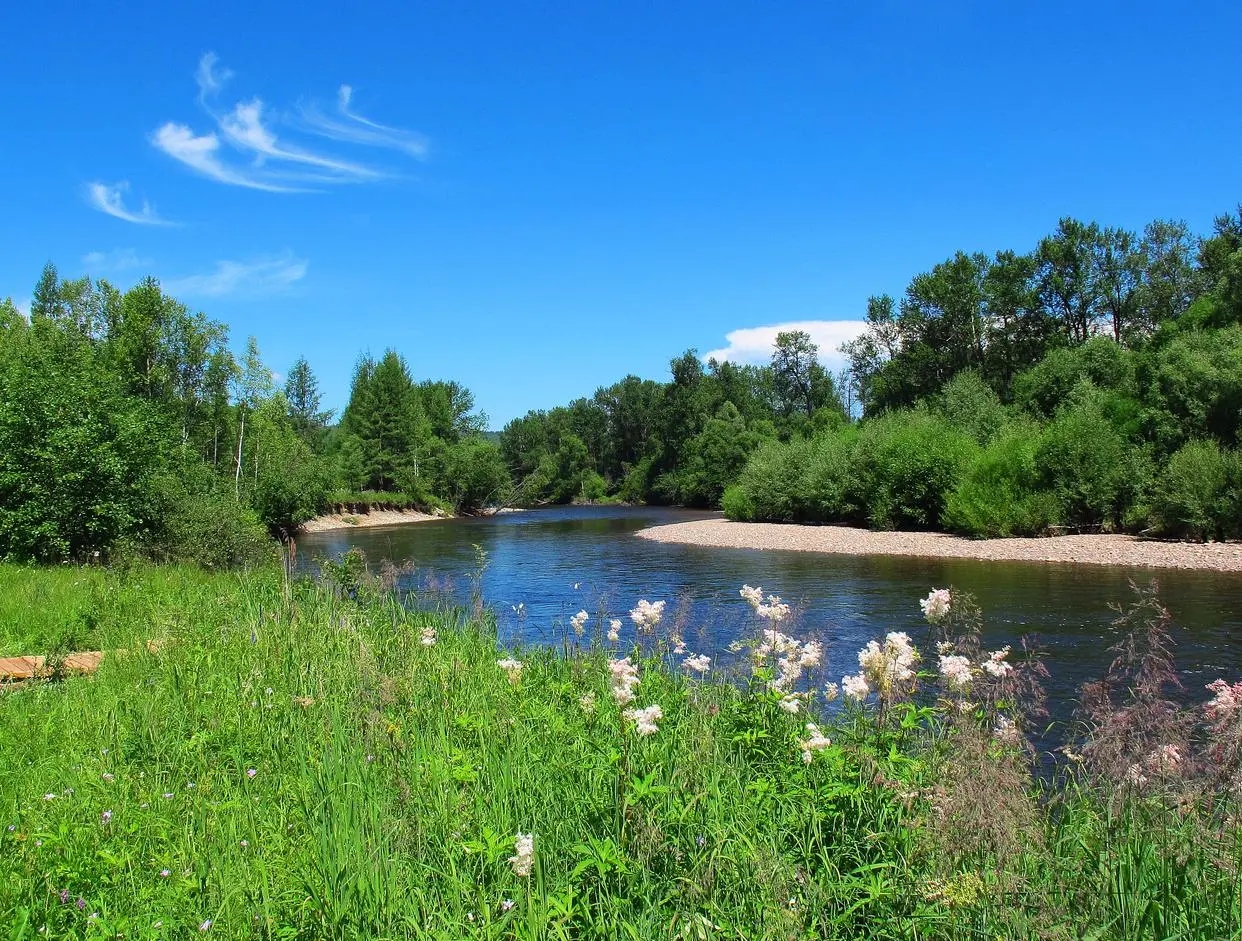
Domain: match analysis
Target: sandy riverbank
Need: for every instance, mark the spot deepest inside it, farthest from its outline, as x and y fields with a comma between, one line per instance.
x=1082, y=550
x=322, y=524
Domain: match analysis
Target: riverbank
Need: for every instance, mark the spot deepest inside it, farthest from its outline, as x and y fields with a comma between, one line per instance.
x=1096, y=549
x=330, y=521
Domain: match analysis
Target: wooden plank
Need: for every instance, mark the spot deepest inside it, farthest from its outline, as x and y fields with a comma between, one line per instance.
x=16, y=669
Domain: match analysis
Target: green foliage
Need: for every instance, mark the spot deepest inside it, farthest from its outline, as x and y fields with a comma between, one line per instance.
x=905, y=464
x=1198, y=493
x=969, y=405
x=999, y=495
x=772, y=485
x=76, y=453
x=1193, y=388
x=470, y=473
x=386, y=418
x=272, y=760
x=1100, y=361
x=1087, y=464
x=201, y=521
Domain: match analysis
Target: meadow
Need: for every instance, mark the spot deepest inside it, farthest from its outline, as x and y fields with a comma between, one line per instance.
x=261, y=757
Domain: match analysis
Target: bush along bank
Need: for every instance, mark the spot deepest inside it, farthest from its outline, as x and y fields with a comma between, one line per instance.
x=967, y=463
x=321, y=761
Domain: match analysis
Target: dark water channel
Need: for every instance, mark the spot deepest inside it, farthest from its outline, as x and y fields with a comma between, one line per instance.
x=558, y=561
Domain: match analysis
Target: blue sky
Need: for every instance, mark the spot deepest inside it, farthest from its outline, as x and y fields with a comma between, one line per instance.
x=535, y=199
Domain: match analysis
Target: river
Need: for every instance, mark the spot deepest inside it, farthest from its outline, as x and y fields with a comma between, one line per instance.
x=545, y=565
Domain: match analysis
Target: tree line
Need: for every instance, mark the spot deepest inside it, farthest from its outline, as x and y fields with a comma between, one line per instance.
x=127, y=424
x=1094, y=382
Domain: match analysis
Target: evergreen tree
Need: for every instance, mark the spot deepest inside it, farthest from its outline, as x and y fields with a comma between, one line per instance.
x=302, y=393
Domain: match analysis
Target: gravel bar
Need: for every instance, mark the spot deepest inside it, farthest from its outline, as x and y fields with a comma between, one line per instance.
x=1108, y=549
x=321, y=524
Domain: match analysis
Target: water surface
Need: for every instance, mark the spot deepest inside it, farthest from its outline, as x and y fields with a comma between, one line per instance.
x=555, y=562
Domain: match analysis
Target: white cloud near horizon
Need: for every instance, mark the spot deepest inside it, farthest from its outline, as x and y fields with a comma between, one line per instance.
x=755, y=344
x=265, y=276
x=120, y=259
x=110, y=200
x=269, y=163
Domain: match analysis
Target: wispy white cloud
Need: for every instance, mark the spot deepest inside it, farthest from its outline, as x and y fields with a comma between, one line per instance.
x=755, y=344
x=257, y=158
x=117, y=260
x=265, y=276
x=348, y=125
x=110, y=199
x=209, y=80
x=244, y=128
x=201, y=153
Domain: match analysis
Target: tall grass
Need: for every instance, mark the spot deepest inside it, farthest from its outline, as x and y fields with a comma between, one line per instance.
x=320, y=761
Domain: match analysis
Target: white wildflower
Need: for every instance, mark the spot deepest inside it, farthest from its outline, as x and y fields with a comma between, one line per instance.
x=855, y=687
x=936, y=605
x=524, y=858
x=646, y=614
x=831, y=692
x=578, y=622
x=645, y=719
x=812, y=654
x=512, y=667
x=791, y=704
x=587, y=702
x=624, y=677
x=814, y=741
x=888, y=665
x=753, y=596
x=614, y=630
x=995, y=664
x=428, y=638
x=956, y=672
x=699, y=663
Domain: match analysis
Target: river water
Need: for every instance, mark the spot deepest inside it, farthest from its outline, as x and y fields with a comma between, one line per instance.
x=545, y=565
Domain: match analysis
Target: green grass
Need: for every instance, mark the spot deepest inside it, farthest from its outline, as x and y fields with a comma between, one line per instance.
x=390, y=779
x=67, y=608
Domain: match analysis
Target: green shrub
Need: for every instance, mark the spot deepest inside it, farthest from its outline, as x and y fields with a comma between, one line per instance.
x=1197, y=495
x=76, y=453
x=999, y=494
x=206, y=525
x=773, y=485
x=1043, y=389
x=1193, y=388
x=1088, y=464
x=969, y=405
x=904, y=466
x=828, y=479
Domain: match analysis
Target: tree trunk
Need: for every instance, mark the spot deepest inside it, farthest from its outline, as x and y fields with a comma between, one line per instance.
x=241, y=434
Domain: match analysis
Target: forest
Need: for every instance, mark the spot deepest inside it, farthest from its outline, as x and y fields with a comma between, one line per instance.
x=128, y=426
x=1092, y=383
